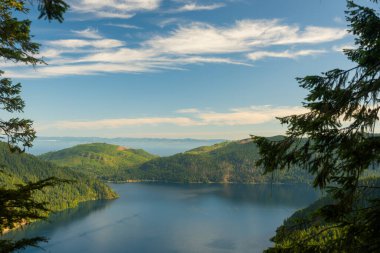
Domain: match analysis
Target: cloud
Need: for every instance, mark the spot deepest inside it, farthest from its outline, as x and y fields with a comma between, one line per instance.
x=194, y=43
x=188, y=110
x=115, y=60
x=114, y=8
x=126, y=26
x=340, y=48
x=87, y=69
x=117, y=123
x=253, y=115
x=88, y=33
x=248, y=116
x=285, y=54
x=197, y=7
x=120, y=15
x=201, y=38
x=169, y=21
x=76, y=43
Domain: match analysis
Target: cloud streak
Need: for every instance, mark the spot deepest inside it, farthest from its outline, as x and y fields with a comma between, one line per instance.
x=198, y=7
x=125, y=26
x=285, y=54
x=195, y=43
x=88, y=33
x=122, y=9
x=78, y=43
x=253, y=115
x=244, y=35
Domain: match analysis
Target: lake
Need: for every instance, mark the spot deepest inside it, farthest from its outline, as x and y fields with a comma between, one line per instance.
x=173, y=218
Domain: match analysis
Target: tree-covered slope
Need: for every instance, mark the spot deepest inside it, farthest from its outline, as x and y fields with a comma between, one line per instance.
x=106, y=161
x=224, y=162
x=309, y=226
x=21, y=168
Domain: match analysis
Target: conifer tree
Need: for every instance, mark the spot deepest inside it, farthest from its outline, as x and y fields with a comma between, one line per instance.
x=335, y=142
x=16, y=45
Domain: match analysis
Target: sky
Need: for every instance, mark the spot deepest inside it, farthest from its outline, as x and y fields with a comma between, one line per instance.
x=178, y=68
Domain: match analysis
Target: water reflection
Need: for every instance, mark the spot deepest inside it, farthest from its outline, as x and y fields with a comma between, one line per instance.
x=290, y=195
x=284, y=195
x=203, y=218
x=59, y=220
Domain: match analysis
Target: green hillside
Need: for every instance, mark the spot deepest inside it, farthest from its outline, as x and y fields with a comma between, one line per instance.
x=21, y=168
x=106, y=161
x=224, y=162
x=308, y=222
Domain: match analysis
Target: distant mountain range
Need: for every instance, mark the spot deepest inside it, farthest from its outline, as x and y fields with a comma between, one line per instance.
x=224, y=162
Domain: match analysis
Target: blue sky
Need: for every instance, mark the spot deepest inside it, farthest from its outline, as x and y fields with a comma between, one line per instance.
x=178, y=68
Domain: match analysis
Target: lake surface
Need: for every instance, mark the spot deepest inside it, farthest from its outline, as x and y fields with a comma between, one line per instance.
x=173, y=218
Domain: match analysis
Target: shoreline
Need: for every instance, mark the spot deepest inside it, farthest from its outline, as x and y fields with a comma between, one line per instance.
x=26, y=223
x=16, y=226
x=221, y=183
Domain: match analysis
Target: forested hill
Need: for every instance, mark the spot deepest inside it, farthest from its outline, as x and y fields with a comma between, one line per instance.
x=21, y=168
x=106, y=161
x=225, y=162
x=232, y=161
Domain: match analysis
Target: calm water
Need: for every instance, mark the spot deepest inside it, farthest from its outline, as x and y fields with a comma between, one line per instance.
x=174, y=218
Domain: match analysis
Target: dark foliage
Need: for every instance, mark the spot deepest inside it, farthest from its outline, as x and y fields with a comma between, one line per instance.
x=16, y=45
x=343, y=110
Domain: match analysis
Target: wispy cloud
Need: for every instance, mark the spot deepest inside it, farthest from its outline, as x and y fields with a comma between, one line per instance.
x=285, y=54
x=194, y=43
x=114, y=8
x=87, y=69
x=171, y=21
x=126, y=26
x=199, y=7
x=340, y=48
x=117, y=123
x=248, y=116
x=242, y=36
x=88, y=33
x=76, y=43
x=239, y=116
x=188, y=110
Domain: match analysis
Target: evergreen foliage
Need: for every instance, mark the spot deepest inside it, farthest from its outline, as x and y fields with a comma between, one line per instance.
x=30, y=190
x=227, y=162
x=343, y=107
x=310, y=229
x=222, y=162
x=16, y=45
x=105, y=161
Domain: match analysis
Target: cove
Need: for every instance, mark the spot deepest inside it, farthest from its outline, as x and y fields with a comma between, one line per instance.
x=154, y=217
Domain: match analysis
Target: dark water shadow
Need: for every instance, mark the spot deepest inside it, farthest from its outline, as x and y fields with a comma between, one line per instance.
x=291, y=195
x=59, y=220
